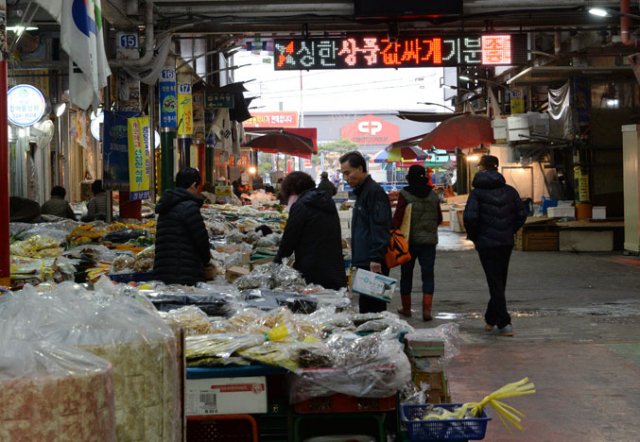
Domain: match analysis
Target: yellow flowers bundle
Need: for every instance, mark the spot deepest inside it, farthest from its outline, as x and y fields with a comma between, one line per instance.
x=506, y=413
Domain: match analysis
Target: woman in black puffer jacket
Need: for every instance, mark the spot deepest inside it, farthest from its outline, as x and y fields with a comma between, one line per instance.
x=182, y=241
x=312, y=233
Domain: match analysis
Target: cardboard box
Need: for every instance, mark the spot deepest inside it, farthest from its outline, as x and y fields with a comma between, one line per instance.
x=374, y=285
x=263, y=261
x=435, y=380
x=428, y=365
x=421, y=348
x=246, y=395
x=235, y=272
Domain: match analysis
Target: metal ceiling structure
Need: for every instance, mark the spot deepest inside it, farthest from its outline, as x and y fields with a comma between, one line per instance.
x=285, y=17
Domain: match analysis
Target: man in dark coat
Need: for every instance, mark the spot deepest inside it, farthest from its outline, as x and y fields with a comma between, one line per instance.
x=370, y=224
x=182, y=242
x=313, y=233
x=57, y=205
x=493, y=214
x=326, y=185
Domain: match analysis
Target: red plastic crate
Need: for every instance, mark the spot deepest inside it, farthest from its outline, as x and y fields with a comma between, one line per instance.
x=342, y=403
x=222, y=428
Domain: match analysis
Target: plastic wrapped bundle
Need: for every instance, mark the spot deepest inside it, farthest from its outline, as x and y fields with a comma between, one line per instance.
x=368, y=366
x=51, y=392
x=139, y=344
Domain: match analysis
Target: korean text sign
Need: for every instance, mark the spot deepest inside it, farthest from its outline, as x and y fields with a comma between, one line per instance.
x=185, y=110
x=138, y=131
x=361, y=52
x=168, y=98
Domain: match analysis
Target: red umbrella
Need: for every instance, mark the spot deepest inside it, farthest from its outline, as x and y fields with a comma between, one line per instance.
x=464, y=132
x=283, y=142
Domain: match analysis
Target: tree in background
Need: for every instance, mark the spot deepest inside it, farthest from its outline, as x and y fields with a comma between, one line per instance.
x=338, y=147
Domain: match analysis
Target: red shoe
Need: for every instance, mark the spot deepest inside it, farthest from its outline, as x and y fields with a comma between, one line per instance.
x=427, y=302
x=405, y=310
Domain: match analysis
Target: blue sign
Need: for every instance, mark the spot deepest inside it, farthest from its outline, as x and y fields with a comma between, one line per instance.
x=209, y=137
x=115, y=150
x=25, y=105
x=168, y=99
x=128, y=41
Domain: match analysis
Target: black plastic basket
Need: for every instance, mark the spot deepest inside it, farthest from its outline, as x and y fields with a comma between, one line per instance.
x=441, y=430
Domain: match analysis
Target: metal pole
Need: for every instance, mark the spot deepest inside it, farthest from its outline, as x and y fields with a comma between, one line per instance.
x=5, y=259
x=152, y=142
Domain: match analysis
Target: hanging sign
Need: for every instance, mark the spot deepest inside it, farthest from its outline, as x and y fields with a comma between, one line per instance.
x=138, y=132
x=25, y=105
x=517, y=100
x=185, y=110
x=219, y=100
x=379, y=51
x=168, y=98
x=115, y=150
x=209, y=136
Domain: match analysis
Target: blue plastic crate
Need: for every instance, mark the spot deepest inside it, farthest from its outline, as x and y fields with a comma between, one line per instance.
x=441, y=430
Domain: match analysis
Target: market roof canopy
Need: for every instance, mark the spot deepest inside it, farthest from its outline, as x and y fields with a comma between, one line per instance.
x=283, y=142
x=464, y=132
x=427, y=117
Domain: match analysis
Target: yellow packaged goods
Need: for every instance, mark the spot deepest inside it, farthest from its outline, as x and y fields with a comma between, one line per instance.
x=50, y=392
x=193, y=320
x=36, y=247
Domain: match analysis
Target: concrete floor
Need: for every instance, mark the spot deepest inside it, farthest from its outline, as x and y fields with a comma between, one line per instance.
x=576, y=319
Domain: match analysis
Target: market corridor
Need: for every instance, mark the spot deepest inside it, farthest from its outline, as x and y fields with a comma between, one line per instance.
x=577, y=337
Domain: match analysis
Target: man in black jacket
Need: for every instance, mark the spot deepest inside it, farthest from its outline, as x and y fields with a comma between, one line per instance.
x=493, y=214
x=182, y=242
x=326, y=185
x=370, y=223
x=313, y=233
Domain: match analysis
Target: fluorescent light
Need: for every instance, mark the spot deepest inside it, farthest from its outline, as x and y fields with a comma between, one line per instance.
x=60, y=109
x=612, y=102
x=464, y=78
x=473, y=158
x=20, y=29
x=599, y=12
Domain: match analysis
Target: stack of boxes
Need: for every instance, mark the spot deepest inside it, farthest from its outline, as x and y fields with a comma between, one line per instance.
x=427, y=367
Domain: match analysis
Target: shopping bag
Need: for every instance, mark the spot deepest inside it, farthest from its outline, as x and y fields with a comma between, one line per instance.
x=405, y=227
x=398, y=250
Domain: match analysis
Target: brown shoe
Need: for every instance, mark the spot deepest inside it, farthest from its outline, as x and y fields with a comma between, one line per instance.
x=427, y=302
x=488, y=327
x=405, y=310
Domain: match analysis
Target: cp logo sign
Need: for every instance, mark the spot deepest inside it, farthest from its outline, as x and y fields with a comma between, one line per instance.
x=370, y=127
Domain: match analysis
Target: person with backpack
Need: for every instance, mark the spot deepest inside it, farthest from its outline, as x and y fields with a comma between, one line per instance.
x=370, y=224
x=492, y=216
x=425, y=217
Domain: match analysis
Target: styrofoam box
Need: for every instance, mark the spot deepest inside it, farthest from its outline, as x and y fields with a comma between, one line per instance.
x=517, y=125
x=599, y=212
x=246, y=395
x=538, y=122
x=345, y=214
x=499, y=129
x=561, y=212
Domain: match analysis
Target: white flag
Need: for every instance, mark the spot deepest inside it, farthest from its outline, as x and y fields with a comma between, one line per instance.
x=81, y=38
